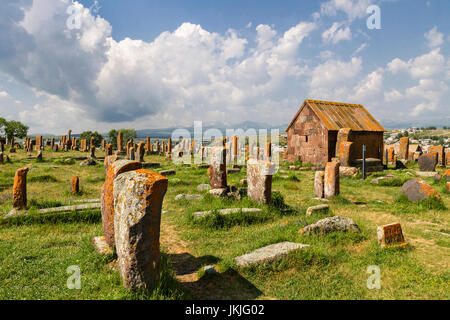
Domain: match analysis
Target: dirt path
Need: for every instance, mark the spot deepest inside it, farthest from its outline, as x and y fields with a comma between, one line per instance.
x=226, y=285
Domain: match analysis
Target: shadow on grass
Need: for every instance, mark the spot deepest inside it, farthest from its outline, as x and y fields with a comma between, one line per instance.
x=227, y=285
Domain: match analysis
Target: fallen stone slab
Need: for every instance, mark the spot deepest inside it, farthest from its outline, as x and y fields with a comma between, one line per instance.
x=332, y=224
x=268, y=253
x=167, y=172
x=188, y=197
x=86, y=201
x=225, y=212
x=71, y=208
x=218, y=193
x=88, y=163
x=377, y=180
x=148, y=165
x=322, y=208
x=426, y=174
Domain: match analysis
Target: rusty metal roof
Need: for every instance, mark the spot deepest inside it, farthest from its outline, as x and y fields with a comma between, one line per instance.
x=337, y=115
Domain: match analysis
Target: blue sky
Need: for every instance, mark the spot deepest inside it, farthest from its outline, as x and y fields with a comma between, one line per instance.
x=156, y=64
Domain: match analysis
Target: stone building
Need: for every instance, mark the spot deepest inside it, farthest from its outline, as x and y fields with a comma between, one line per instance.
x=313, y=132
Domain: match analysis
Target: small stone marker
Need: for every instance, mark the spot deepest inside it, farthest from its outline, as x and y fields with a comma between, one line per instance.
x=417, y=190
x=319, y=184
x=259, y=180
x=138, y=198
x=323, y=208
x=75, y=185
x=332, y=224
x=390, y=235
x=109, y=149
x=268, y=253
x=331, y=180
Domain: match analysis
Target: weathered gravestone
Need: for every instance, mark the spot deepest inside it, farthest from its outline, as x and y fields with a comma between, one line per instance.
x=107, y=194
x=319, y=184
x=75, y=185
x=390, y=235
x=332, y=224
x=218, y=168
x=138, y=198
x=417, y=190
x=403, y=148
x=428, y=162
x=20, y=189
x=259, y=180
x=440, y=150
x=331, y=180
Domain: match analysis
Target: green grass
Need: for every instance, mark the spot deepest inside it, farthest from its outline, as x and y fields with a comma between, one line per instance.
x=36, y=250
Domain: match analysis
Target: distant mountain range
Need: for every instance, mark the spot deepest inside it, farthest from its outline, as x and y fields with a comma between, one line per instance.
x=167, y=132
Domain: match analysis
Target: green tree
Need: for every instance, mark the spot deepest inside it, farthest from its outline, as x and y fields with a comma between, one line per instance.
x=13, y=129
x=127, y=135
x=97, y=137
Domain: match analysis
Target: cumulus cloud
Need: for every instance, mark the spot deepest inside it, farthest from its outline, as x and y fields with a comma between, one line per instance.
x=337, y=32
x=393, y=95
x=427, y=65
x=434, y=38
x=354, y=9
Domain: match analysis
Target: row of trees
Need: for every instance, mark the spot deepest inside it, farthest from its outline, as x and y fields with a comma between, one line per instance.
x=112, y=136
x=9, y=129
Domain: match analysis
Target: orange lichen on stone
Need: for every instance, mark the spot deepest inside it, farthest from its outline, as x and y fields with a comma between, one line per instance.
x=107, y=195
x=429, y=190
x=403, y=148
x=390, y=235
x=20, y=189
x=345, y=151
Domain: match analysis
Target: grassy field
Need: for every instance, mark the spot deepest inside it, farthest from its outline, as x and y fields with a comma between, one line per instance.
x=35, y=251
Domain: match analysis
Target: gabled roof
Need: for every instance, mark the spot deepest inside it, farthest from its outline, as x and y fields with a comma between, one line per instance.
x=337, y=115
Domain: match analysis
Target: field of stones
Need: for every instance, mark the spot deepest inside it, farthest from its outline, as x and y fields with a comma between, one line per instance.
x=209, y=242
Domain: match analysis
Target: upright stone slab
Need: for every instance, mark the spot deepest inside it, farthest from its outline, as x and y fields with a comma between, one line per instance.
x=319, y=184
x=218, y=168
x=331, y=180
x=120, y=143
x=109, y=149
x=344, y=134
x=75, y=185
x=92, y=152
x=440, y=154
x=259, y=180
x=404, y=148
x=345, y=152
x=107, y=194
x=428, y=162
x=391, y=155
x=390, y=235
x=20, y=189
x=141, y=152
x=138, y=198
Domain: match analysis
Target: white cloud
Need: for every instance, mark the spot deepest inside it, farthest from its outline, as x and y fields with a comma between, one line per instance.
x=4, y=94
x=337, y=32
x=392, y=96
x=427, y=65
x=354, y=9
x=434, y=38
x=369, y=86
